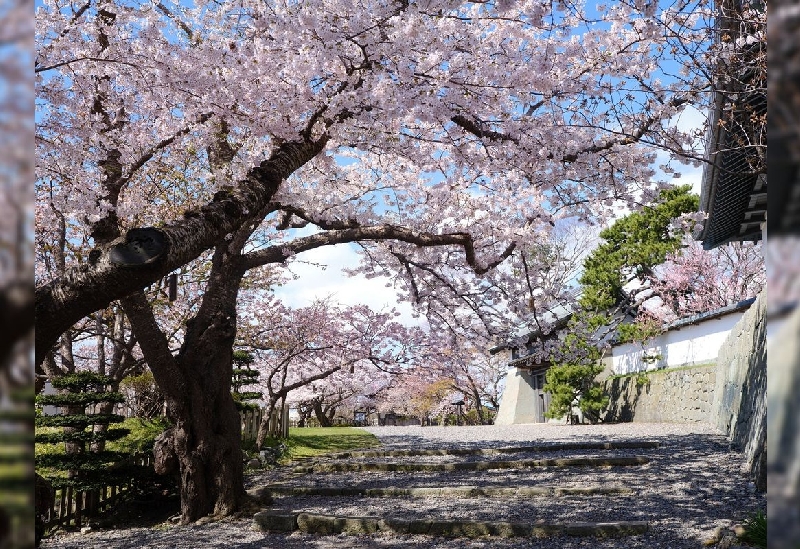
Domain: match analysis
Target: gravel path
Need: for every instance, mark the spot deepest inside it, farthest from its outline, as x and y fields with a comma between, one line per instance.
x=691, y=486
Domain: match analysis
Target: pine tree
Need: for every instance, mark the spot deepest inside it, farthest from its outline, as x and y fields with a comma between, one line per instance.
x=632, y=247
x=80, y=466
x=244, y=375
x=16, y=473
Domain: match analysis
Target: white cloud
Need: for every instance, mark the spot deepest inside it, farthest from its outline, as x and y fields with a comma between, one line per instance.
x=320, y=276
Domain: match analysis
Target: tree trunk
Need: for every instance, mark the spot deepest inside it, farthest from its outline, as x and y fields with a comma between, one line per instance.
x=206, y=450
x=476, y=397
x=322, y=417
x=263, y=427
x=72, y=447
x=206, y=437
x=209, y=456
x=103, y=408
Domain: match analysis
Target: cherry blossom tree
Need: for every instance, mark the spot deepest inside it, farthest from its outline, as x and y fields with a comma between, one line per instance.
x=693, y=280
x=380, y=109
x=474, y=373
x=295, y=348
x=344, y=389
x=421, y=392
x=227, y=127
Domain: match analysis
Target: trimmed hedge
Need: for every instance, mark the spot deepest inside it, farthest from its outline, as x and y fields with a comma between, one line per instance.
x=79, y=399
x=78, y=420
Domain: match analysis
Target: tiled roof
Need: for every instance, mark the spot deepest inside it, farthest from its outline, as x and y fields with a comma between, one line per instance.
x=702, y=317
x=734, y=197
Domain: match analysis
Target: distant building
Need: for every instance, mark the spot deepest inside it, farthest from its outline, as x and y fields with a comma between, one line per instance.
x=524, y=399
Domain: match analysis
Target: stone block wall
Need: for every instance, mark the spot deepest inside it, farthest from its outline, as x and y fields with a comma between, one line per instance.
x=740, y=393
x=783, y=434
x=682, y=395
x=731, y=394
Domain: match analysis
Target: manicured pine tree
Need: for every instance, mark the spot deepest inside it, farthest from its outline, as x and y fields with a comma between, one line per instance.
x=79, y=466
x=244, y=375
x=16, y=473
x=632, y=247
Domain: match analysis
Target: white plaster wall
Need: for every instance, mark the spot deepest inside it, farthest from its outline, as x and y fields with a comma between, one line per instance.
x=517, y=402
x=694, y=344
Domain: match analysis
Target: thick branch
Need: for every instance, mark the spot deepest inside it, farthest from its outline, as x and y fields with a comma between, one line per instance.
x=475, y=129
x=154, y=344
x=279, y=253
x=83, y=290
x=285, y=390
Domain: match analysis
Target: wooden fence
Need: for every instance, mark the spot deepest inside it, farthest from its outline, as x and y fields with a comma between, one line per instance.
x=70, y=507
x=278, y=423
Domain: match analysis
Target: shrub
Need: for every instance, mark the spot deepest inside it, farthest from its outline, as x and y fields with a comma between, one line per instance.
x=755, y=529
x=243, y=376
x=574, y=385
x=85, y=464
x=142, y=434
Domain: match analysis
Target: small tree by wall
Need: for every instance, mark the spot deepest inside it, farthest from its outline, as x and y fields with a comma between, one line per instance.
x=84, y=464
x=573, y=384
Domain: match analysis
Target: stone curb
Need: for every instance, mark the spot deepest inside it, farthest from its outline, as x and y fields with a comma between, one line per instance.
x=475, y=465
x=262, y=495
x=329, y=525
x=567, y=446
x=275, y=521
x=453, y=491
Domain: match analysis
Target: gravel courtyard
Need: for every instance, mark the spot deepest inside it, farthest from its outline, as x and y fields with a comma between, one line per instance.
x=690, y=486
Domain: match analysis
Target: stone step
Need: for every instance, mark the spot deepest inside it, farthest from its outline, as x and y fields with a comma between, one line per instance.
x=282, y=521
x=555, y=447
x=438, y=491
x=620, y=461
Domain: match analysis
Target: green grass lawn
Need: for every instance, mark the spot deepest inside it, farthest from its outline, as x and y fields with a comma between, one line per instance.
x=303, y=441
x=313, y=441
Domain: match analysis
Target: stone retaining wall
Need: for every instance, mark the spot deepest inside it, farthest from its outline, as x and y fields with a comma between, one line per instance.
x=682, y=395
x=730, y=394
x=740, y=393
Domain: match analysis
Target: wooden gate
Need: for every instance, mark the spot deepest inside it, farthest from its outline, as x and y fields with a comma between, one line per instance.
x=542, y=398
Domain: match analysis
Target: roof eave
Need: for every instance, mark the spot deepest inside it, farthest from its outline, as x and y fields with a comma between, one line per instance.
x=708, y=187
